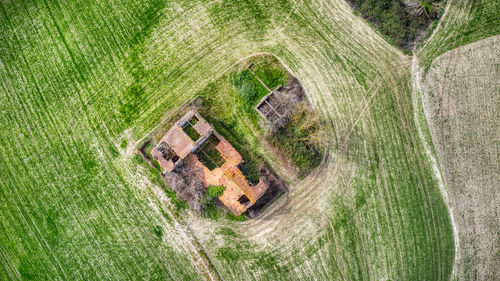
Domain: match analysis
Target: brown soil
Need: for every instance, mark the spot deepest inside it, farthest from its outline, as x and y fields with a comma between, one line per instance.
x=293, y=88
x=142, y=151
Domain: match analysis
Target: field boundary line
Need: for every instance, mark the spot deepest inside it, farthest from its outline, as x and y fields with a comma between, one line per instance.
x=416, y=73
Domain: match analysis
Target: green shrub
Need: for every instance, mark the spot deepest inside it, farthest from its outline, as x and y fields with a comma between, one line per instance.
x=123, y=143
x=268, y=71
x=250, y=167
x=248, y=87
x=302, y=154
x=233, y=217
x=158, y=231
x=301, y=140
x=214, y=191
x=211, y=211
x=209, y=201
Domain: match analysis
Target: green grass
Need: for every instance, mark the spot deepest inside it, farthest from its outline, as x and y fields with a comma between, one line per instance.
x=191, y=132
x=268, y=70
x=232, y=217
x=77, y=77
x=465, y=22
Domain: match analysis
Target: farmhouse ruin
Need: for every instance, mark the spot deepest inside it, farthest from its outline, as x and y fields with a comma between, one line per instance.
x=193, y=141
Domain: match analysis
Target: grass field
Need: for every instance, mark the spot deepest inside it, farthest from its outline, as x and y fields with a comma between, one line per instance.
x=458, y=86
x=457, y=82
x=79, y=78
x=463, y=114
x=464, y=22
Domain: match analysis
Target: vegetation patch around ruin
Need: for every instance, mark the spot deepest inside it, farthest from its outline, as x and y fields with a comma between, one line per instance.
x=301, y=139
x=186, y=190
x=299, y=134
x=268, y=70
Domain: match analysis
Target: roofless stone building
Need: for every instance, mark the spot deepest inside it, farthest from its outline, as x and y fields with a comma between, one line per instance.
x=193, y=141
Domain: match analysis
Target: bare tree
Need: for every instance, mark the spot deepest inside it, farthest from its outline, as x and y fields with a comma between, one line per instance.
x=187, y=185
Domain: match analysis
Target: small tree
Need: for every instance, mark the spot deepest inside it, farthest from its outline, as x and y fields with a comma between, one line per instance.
x=214, y=191
x=427, y=8
x=317, y=137
x=208, y=201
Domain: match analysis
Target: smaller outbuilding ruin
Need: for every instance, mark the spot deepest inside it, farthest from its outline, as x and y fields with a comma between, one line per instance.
x=272, y=108
x=192, y=141
x=277, y=106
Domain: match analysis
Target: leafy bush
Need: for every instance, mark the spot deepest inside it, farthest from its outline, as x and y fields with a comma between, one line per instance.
x=209, y=201
x=214, y=191
x=250, y=167
x=248, y=87
x=123, y=143
x=233, y=217
x=291, y=141
x=302, y=138
x=268, y=70
x=211, y=211
x=158, y=231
